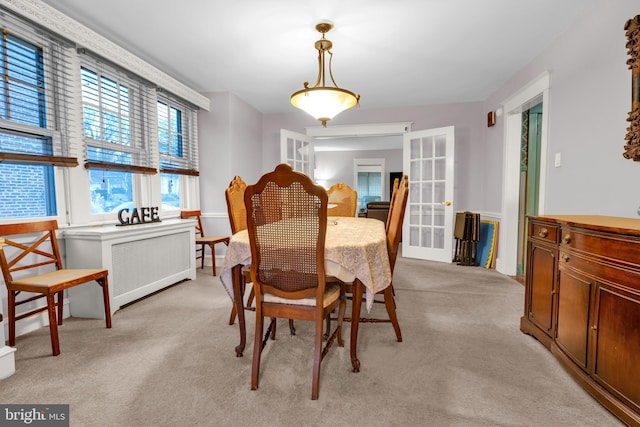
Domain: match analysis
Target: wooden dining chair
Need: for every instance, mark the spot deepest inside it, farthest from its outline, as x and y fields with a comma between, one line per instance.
x=394, y=192
x=345, y=198
x=287, y=267
x=234, y=195
x=394, y=232
x=27, y=253
x=203, y=240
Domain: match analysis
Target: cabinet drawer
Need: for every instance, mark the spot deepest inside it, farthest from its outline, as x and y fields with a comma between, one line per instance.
x=613, y=247
x=624, y=278
x=543, y=230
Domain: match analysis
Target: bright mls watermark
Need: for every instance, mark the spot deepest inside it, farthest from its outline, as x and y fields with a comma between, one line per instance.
x=34, y=415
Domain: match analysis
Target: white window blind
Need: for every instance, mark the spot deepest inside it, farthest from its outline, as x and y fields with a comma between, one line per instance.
x=36, y=94
x=177, y=135
x=117, y=111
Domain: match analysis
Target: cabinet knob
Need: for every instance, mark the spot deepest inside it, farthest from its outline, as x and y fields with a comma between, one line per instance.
x=566, y=238
x=543, y=232
x=565, y=257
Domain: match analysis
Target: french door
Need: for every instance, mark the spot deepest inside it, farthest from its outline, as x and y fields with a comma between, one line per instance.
x=296, y=149
x=428, y=160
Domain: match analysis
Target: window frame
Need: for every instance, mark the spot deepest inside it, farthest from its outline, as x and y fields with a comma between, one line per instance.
x=60, y=159
x=142, y=138
x=188, y=172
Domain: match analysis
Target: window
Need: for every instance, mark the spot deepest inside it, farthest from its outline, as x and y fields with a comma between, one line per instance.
x=177, y=145
x=369, y=182
x=369, y=187
x=115, y=111
x=170, y=141
x=33, y=137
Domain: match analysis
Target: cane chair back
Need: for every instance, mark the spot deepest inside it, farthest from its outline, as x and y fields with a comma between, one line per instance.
x=287, y=260
x=36, y=268
x=345, y=198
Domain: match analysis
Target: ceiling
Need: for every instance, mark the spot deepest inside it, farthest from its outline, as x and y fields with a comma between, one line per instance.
x=394, y=53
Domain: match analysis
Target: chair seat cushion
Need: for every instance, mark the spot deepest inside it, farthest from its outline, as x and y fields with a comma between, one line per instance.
x=55, y=278
x=331, y=294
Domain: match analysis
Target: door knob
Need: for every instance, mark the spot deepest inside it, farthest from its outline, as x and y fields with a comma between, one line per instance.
x=446, y=203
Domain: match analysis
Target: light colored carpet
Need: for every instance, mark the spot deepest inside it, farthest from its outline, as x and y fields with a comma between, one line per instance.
x=169, y=361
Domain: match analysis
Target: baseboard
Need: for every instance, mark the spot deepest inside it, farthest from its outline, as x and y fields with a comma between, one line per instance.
x=7, y=362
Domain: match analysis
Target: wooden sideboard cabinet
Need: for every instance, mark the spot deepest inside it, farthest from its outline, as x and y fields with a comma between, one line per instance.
x=582, y=301
x=542, y=250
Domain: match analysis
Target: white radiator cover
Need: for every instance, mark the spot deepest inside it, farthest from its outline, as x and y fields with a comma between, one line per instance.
x=149, y=260
x=141, y=259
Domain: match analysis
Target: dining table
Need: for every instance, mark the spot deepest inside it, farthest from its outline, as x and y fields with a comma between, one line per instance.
x=355, y=252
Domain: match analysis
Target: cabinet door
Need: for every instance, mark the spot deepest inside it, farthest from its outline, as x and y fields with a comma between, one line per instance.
x=541, y=284
x=572, y=320
x=616, y=347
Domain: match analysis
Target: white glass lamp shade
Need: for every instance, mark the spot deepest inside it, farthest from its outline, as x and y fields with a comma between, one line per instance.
x=324, y=103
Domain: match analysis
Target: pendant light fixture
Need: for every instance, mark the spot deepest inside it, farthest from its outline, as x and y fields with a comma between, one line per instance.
x=320, y=101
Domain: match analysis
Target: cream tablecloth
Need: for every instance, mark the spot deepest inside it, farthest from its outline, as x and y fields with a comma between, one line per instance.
x=354, y=248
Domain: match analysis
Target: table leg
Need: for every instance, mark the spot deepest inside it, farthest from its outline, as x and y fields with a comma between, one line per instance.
x=238, y=300
x=356, y=305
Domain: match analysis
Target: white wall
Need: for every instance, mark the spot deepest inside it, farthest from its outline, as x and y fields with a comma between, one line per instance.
x=335, y=166
x=230, y=144
x=590, y=97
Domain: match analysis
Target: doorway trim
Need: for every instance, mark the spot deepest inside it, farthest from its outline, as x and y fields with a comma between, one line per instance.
x=535, y=91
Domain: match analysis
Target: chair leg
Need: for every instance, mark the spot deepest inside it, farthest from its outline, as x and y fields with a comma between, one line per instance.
x=257, y=350
x=341, y=312
x=11, y=306
x=274, y=323
x=60, y=307
x=232, y=316
x=53, y=324
x=234, y=312
x=327, y=328
x=317, y=360
x=252, y=295
x=292, y=328
x=213, y=258
x=202, y=257
x=107, y=305
x=390, y=304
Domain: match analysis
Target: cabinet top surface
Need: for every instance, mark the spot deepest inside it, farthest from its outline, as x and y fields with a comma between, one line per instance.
x=598, y=222
x=131, y=230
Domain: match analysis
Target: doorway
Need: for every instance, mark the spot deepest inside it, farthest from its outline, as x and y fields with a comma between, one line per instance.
x=536, y=92
x=529, y=177
x=368, y=179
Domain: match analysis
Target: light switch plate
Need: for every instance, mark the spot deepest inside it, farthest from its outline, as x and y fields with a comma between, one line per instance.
x=558, y=160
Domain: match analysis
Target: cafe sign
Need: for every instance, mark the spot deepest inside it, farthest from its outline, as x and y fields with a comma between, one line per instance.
x=138, y=215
